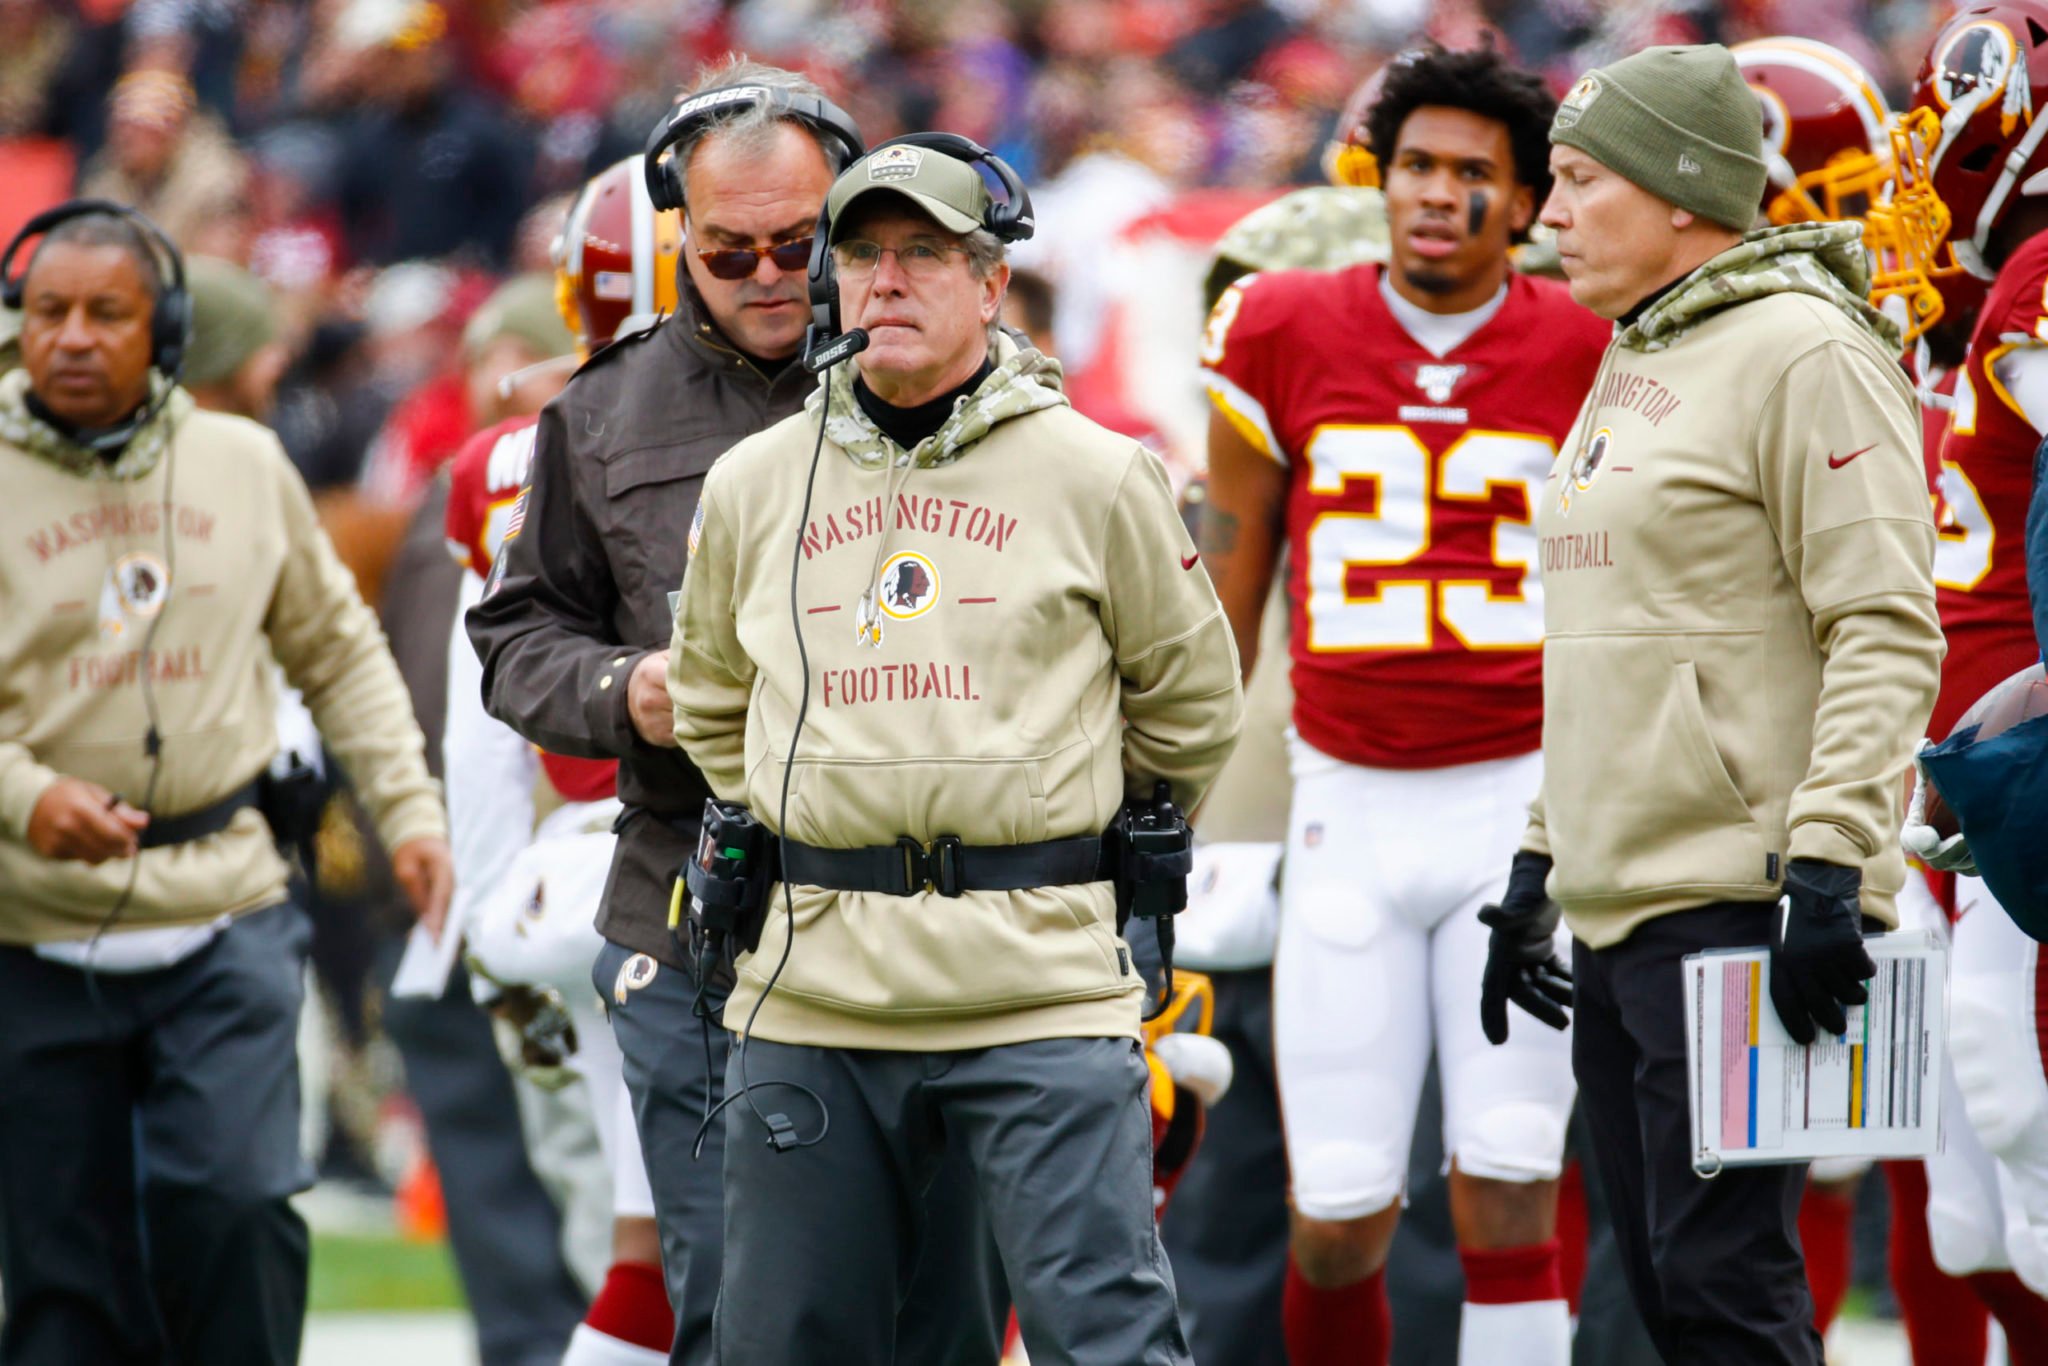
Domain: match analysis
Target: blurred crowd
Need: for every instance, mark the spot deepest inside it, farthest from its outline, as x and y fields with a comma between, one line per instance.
x=380, y=164
x=354, y=179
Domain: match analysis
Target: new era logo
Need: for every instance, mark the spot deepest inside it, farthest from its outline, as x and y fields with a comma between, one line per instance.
x=1687, y=166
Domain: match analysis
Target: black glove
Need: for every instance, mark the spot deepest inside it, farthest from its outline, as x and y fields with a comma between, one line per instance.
x=1818, y=962
x=1521, y=962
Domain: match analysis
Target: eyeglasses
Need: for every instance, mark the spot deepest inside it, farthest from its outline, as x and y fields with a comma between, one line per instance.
x=740, y=263
x=920, y=258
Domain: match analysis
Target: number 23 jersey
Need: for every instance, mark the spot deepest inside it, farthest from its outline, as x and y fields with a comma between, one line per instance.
x=1416, y=621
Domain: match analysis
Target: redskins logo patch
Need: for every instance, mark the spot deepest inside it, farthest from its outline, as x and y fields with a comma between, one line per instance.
x=142, y=581
x=134, y=590
x=1586, y=467
x=910, y=585
x=635, y=973
x=895, y=163
x=1577, y=101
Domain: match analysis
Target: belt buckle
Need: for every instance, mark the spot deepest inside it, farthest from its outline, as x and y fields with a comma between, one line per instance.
x=943, y=866
x=916, y=867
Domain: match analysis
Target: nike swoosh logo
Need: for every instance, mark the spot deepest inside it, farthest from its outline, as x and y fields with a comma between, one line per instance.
x=1188, y=561
x=1835, y=463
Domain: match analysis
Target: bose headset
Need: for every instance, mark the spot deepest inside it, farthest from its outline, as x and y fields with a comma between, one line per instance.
x=170, y=321
x=665, y=174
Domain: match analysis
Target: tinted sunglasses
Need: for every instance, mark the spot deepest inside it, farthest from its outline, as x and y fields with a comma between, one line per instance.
x=740, y=263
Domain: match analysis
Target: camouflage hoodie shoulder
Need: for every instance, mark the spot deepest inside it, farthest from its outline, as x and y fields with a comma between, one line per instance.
x=1023, y=381
x=1824, y=260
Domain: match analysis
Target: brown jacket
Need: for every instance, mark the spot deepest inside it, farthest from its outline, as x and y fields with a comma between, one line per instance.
x=582, y=589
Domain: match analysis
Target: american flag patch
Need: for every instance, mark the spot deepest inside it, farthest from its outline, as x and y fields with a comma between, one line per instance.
x=696, y=528
x=518, y=518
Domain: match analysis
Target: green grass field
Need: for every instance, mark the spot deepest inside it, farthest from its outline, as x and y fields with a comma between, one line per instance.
x=369, y=1272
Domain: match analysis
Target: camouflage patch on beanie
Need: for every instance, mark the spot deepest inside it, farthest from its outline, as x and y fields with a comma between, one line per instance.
x=233, y=317
x=1678, y=121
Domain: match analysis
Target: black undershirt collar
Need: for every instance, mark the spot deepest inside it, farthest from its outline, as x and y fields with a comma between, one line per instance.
x=1628, y=319
x=909, y=426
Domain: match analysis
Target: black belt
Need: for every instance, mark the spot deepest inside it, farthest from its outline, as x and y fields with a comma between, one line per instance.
x=193, y=825
x=949, y=867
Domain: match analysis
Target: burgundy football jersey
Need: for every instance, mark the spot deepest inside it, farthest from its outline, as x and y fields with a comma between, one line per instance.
x=1987, y=477
x=484, y=480
x=1417, y=612
x=484, y=484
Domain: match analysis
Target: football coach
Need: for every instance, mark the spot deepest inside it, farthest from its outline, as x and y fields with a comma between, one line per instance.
x=572, y=632
x=1740, y=651
x=996, y=631
x=159, y=558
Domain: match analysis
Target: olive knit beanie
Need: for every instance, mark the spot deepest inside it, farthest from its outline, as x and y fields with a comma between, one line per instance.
x=1678, y=121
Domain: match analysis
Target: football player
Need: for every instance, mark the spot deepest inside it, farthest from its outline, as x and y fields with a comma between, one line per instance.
x=1977, y=99
x=527, y=897
x=1391, y=428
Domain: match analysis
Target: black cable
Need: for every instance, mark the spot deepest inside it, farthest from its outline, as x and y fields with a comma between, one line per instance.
x=781, y=1133
x=152, y=739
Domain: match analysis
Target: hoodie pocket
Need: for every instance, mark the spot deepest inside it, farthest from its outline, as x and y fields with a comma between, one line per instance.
x=1637, y=795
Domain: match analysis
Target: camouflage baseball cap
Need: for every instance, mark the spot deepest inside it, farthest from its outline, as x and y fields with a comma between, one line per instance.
x=947, y=188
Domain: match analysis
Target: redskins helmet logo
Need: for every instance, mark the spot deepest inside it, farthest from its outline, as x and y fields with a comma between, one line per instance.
x=1977, y=65
x=910, y=585
x=1777, y=122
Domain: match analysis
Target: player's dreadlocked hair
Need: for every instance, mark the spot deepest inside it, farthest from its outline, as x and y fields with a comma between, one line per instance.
x=1481, y=81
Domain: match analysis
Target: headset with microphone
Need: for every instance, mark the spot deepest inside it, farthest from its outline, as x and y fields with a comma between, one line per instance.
x=1008, y=219
x=170, y=331
x=170, y=321
x=694, y=115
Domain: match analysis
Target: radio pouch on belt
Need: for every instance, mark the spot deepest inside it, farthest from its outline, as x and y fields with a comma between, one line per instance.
x=727, y=884
x=292, y=794
x=1154, y=855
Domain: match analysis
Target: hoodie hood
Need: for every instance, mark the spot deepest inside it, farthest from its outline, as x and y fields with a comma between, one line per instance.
x=21, y=427
x=1824, y=260
x=1024, y=381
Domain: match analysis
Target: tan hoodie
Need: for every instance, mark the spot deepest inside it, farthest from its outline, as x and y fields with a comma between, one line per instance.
x=1741, y=644
x=248, y=574
x=1049, y=644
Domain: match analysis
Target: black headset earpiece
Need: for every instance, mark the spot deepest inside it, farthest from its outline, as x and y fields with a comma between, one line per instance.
x=170, y=319
x=665, y=177
x=1009, y=217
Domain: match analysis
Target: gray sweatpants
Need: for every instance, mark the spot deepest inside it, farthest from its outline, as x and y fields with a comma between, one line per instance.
x=821, y=1241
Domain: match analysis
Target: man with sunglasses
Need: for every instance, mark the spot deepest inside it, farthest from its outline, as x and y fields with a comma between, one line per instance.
x=575, y=620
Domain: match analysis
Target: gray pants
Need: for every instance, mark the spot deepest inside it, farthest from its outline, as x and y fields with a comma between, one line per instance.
x=955, y=1308
x=149, y=1137
x=821, y=1241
